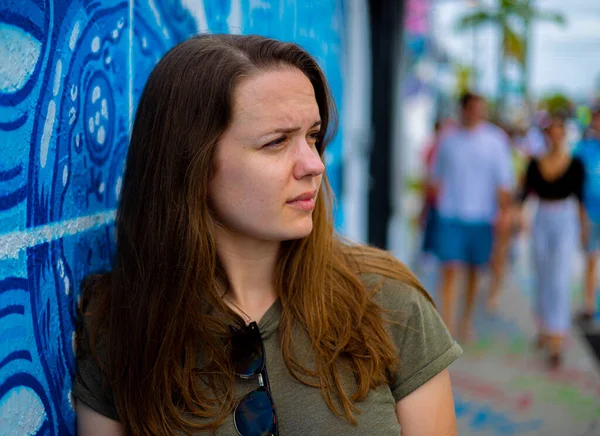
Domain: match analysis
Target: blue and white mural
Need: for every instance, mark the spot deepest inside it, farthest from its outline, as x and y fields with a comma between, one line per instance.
x=70, y=75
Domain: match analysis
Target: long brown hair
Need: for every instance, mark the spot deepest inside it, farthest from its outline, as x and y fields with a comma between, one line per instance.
x=159, y=316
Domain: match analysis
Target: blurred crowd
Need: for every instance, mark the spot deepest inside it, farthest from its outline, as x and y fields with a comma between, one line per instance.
x=486, y=184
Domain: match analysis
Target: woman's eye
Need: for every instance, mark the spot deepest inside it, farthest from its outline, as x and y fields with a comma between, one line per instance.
x=314, y=138
x=279, y=142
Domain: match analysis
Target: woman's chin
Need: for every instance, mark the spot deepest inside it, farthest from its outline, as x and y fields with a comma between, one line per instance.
x=298, y=231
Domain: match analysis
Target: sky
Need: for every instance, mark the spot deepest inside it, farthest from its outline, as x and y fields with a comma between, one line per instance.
x=563, y=59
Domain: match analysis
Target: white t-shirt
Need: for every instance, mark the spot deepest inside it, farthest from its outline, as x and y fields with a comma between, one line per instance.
x=471, y=166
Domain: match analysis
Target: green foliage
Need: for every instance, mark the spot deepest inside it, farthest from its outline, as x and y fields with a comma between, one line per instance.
x=504, y=16
x=513, y=19
x=464, y=79
x=556, y=101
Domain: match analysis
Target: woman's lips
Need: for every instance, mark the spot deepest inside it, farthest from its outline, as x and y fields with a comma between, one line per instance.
x=306, y=205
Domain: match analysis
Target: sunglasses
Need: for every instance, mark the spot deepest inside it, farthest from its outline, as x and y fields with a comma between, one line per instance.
x=255, y=414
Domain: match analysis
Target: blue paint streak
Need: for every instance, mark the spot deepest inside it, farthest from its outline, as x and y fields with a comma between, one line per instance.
x=24, y=23
x=13, y=309
x=492, y=422
x=11, y=174
x=17, y=355
x=11, y=200
x=13, y=125
x=11, y=283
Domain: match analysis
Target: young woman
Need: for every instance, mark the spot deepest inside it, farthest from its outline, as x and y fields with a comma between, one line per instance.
x=232, y=307
x=555, y=178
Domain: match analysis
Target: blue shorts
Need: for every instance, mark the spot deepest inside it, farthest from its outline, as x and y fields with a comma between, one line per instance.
x=468, y=243
x=593, y=242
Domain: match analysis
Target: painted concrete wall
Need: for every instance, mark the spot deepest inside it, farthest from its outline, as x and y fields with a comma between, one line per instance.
x=70, y=75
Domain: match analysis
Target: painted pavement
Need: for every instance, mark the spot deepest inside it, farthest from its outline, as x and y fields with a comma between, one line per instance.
x=501, y=384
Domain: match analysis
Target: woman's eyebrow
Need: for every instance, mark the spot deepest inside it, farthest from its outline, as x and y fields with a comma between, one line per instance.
x=290, y=129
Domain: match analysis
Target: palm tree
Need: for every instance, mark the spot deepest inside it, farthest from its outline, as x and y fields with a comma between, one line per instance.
x=513, y=44
x=530, y=14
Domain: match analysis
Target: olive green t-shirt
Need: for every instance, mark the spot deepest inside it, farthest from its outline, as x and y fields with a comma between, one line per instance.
x=424, y=345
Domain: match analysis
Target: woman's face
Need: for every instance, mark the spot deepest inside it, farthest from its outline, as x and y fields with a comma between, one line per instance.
x=267, y=168
x=556, y=132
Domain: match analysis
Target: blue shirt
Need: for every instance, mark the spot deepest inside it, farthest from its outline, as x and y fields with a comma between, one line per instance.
x=588, y=150
x=472, y=166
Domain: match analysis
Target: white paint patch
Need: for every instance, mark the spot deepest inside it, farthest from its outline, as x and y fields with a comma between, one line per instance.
x=91, y=125
x=60, y=266
x=13, y=422
x=77, y=140
x=13, y=242
x=73, y=92
x=97, y=118
x=144, y=42
x=96, y=94
x=107, y=60
x=67, y=285
x=196, y=8
x=104, y=108
x=96, y=44
x=47, y=134
x=121, y=23
x=57, y=78
x=74, y=35
x=259, y=4
x=19, y=52
x=118, y=187
x=72, y=116
x=234, y=21
x=154, y=10
x=101, y=136
x=102, y=187
x=65, y=175
x=115, y=34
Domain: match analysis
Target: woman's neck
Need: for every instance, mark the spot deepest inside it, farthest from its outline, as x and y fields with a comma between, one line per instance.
x=557, y=152
x=250, y=267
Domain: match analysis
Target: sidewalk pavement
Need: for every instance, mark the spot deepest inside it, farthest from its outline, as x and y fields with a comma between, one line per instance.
x=502, y=385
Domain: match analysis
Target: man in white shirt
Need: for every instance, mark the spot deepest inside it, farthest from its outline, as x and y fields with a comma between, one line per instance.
x=473, y=179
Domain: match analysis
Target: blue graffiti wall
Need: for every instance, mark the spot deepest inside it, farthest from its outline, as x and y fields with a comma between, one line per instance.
x=70, y=75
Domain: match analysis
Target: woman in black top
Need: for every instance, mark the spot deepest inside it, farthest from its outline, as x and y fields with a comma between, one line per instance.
x=555, y=178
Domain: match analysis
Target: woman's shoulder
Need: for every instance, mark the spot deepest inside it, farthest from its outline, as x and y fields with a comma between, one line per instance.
x=91, y=311
x=93, y=295
x=424, y=345
x=389, y=280
x=396, y=295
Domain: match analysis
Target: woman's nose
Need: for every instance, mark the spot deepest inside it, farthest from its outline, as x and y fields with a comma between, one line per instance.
x=309, y=162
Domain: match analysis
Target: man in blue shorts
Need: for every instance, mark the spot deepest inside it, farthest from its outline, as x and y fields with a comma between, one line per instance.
x=589, y=152
x=474, y=181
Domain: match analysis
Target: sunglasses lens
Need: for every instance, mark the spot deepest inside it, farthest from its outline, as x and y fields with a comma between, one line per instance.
x=255, y=414
x=247, y=351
